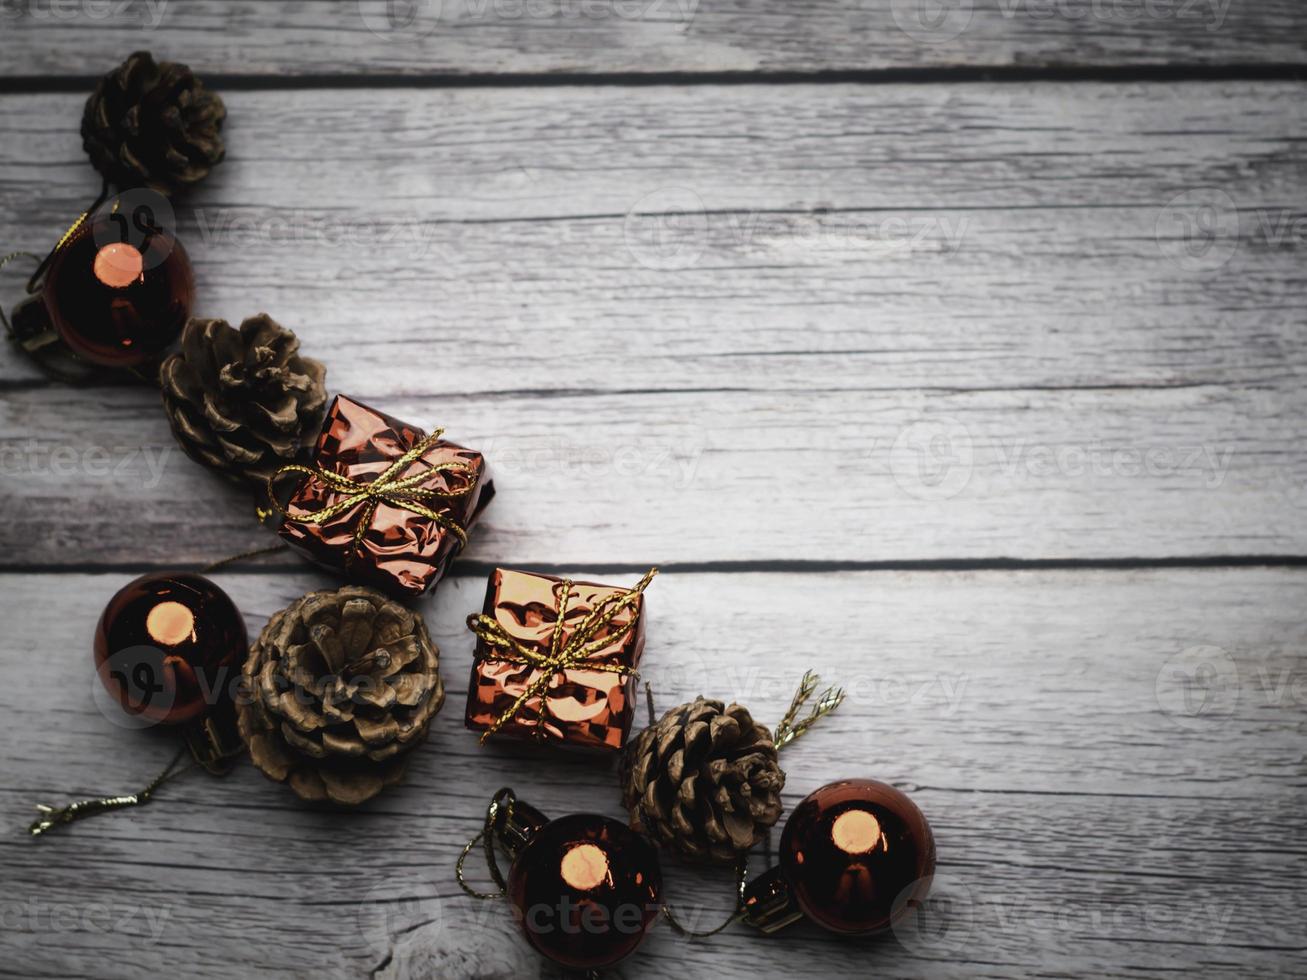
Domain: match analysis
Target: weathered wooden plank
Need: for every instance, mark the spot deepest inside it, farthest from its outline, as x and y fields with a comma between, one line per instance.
x=1045, y=372
x=93, y=477
x=654, y=238
x=459, y=37
x=1086, y=817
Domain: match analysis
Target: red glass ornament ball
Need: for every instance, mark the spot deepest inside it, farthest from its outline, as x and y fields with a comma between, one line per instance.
x=119, y=299
x=857, y=854
x=585, y=889
x=169, y=647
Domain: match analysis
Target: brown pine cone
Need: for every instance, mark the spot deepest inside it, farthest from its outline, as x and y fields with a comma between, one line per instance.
x=338, y=688
x=703, y=780
x=153, y=125
x=244, y=403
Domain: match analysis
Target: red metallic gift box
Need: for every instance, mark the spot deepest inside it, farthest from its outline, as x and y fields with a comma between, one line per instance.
x=556, y=660
x=385, y=503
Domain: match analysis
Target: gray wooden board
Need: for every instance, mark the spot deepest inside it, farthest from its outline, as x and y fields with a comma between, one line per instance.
x=1089, y=818
x=462, y=37
x=966, y=315
x=775, y=337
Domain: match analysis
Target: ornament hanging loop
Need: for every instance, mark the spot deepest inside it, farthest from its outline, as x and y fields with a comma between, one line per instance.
x=741, y=877
x=52, y=817
x=500, y=804
x=34, y=283
x=4, y=317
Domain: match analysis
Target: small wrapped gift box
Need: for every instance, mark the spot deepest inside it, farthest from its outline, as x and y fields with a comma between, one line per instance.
x=556, y=660
x=384, y=503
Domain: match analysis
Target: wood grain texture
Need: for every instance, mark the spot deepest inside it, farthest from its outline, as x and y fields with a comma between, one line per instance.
x=972, y=321
x=578, y=37
x=709, y=291
x=1084, y=814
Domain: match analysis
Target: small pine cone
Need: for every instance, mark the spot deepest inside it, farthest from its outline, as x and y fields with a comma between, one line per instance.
x=337, y=690
x=153, y=125
x=243, y=402
x=703, y=780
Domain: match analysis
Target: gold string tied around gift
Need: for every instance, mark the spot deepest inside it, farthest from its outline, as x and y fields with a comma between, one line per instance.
x=564, y=651
x=390, y=487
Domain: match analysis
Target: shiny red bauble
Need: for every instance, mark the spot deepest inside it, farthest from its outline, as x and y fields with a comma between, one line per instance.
x=585, y=890
x=169, y=647
x=856, y=855
x=119, y=294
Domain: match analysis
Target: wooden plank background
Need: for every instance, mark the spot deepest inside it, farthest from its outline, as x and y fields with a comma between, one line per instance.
x=954, y=349
x=640, y=37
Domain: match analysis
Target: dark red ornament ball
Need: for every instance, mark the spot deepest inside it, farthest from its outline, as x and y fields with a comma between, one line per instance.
x=117, y=294
x=585, y=890
x=169, y=647
x=857, y=854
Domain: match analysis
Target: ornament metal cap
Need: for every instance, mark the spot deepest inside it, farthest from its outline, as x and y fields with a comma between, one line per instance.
x=768, y=905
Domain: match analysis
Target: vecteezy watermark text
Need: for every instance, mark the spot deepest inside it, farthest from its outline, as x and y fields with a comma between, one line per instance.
x=938, y=21
x=244, y=228
x=143, y=465
x=141, y=924
x=670, y=228
x=415, y=19
x=148, y=14
x=935, y=457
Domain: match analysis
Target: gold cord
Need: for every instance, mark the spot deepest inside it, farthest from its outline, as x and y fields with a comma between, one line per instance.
x=53, y=817
x=579, y=647
x=256, y=553
x=9, y=327
x=741, y=876
x=34, y=283
x=390, y=487
x=503, y=800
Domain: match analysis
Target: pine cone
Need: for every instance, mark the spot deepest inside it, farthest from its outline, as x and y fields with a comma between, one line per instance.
x=338, y=688
x=153, y=125
x=244, y=403
x=704, y=780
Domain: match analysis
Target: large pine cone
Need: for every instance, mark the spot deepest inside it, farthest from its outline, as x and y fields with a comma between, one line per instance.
x=244, y=403
x=338, y=688
x=153, y=125
x=704, y=780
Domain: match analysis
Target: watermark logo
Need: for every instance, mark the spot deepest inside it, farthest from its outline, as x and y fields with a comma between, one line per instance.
x=667, y=229
x=392, y=909
x=142, y=679
x=941, y=924
x=932, y=21
x=932, y=458
x=401, y=19
x=140, y=218
x=677, y=679
x=1198, y=229
x=1197, y=685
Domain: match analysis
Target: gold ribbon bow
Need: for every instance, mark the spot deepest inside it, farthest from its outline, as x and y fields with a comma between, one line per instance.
x=390, y=487
x=580, y=646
